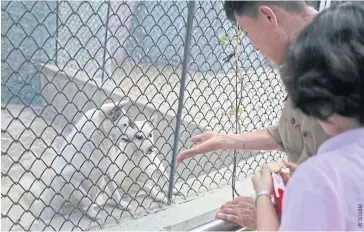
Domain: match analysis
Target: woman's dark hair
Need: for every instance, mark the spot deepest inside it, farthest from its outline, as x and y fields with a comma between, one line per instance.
x=324, y=69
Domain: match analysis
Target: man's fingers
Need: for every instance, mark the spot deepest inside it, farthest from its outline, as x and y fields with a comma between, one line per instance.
x=185, y=155
x=196, y=138
x=228, y=217
x=249, y=200
x=243, y=200
x=239, y=202
x=210, y=145
x=238, y=205
x=229, y=211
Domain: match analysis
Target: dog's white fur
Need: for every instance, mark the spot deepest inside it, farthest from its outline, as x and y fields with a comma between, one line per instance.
x=139, y=157
x=84, y=161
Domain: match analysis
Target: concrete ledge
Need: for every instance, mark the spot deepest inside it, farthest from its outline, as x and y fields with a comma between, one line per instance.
x=184, y=216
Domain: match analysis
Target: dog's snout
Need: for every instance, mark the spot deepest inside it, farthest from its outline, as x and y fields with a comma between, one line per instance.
x=151, y=150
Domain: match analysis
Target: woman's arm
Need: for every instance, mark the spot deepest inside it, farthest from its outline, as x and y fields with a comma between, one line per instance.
x=267, y=218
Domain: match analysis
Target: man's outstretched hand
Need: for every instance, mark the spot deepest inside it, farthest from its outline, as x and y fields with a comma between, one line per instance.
x=208, y=141
x=240, y=211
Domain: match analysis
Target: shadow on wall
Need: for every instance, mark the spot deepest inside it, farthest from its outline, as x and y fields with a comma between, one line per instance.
x=25, y=44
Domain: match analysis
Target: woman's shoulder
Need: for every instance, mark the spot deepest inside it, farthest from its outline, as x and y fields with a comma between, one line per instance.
x=313, y=171
x=326, y=170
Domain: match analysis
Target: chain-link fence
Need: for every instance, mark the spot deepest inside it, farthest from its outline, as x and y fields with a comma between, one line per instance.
x=67, y=161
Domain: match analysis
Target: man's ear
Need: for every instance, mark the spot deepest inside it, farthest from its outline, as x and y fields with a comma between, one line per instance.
x=117, y=110
x=268, y=15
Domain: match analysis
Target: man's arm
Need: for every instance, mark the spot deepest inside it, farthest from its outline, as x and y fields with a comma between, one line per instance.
x=212, y=141
x=257, y=140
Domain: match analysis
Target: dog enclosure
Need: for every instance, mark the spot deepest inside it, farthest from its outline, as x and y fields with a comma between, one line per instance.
x=180, y=60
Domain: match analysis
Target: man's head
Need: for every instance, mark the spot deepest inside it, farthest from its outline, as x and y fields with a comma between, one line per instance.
x=324, y=72
x=270, y=25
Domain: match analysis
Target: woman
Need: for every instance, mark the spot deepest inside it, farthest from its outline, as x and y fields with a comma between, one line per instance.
x=324, y=77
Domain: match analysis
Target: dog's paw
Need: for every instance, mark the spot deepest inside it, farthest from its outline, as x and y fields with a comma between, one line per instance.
x=101, y=200
x=123, y=205
x=163, y=200
x=176, y=192
x=92, y=213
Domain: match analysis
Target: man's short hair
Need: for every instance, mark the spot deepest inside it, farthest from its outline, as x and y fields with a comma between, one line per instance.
x=324, y=71
x=250, y=8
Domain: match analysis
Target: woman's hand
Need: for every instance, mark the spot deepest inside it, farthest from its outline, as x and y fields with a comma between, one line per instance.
x=286, y=176
x=263, y=179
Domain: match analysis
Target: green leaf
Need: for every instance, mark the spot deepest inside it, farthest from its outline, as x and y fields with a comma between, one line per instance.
x=240, y=110
x=223, y=40
x=233, y=111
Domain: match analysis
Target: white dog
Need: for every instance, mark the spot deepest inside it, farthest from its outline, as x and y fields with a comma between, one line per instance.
x=84, y=161
x=138, y=162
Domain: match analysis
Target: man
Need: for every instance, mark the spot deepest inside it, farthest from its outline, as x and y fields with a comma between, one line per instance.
x=270, y=26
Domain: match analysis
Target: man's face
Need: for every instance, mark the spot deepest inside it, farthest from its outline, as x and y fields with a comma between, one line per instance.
x=269, y=39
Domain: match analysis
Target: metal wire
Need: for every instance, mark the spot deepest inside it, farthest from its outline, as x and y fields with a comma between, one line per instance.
x=172, y=59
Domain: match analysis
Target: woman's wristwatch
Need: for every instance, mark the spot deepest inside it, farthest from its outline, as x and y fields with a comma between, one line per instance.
x=263, y=193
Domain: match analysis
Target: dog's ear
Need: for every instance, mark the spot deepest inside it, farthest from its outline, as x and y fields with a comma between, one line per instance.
x=153, y=119
x=117, y=110
x=122, y=103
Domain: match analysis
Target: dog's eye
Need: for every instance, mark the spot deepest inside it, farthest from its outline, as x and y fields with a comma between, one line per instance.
x=150, y=135
x=125, y=125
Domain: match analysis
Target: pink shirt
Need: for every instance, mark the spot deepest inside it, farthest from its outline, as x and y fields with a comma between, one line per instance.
x=326, y=192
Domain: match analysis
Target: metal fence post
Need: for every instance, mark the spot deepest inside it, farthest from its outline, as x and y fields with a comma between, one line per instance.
x=190, y=14
x=57, y=28
x=105, y=45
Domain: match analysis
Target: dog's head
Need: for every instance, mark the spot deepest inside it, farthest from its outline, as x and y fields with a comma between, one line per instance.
x=116, y=123
x=144, y=139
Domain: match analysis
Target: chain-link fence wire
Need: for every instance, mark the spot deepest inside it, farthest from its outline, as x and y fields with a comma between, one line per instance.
x=63, y=58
